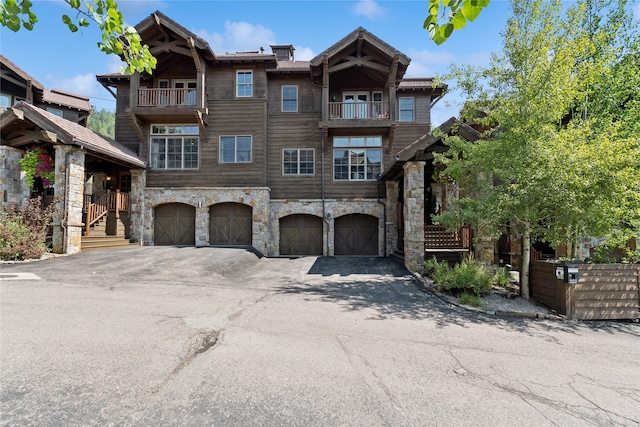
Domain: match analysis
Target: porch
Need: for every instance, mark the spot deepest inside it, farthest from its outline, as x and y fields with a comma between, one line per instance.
x=107, y=222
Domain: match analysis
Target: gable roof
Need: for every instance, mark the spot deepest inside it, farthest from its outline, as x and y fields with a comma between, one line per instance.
x=69, y=133
x=423, y=147
x=19, y=72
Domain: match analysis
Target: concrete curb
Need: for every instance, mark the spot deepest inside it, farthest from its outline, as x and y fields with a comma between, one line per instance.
x=425, y=287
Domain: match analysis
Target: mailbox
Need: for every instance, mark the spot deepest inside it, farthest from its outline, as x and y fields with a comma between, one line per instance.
x=570, y=274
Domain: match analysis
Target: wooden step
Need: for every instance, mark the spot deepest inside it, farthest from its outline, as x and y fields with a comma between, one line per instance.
x=106, y=242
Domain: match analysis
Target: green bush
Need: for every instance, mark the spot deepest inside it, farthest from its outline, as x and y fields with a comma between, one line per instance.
x=471, y=300
x=23, y=230
x=469, y=276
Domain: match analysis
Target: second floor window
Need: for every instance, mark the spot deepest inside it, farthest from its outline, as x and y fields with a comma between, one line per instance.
x=235, y=149
x=406, y=109
x=289, y=99
x=244, y=83
x=174, y=147
x=357, y=158
x=298, y=161
x=58, y=112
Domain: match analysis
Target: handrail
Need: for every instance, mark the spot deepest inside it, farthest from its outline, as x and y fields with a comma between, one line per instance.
x=437, y=237
x=110, y=202
x=349, y=110
x=154, y=97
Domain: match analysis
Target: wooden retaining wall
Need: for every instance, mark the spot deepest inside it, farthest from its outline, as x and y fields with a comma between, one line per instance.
x=603, y=291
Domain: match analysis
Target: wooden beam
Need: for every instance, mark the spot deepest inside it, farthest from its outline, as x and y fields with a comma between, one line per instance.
x=156, y=19
x=358, y=62
x=136, y=125
x=392, y=133
x=16, y=82
x=325, y=90
x=360, y=42
x=202, y=125
x=49, y=136
x=173, y=46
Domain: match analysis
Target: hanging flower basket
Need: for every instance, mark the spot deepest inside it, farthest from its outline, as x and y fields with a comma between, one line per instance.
x=37, y=163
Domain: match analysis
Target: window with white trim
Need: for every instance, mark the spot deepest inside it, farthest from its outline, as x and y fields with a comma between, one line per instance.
x=235, y=149
x=289, y=99
x=356, y=158
x=174, y=146
x=244, y=83
x=406, y=109
x=298, y=161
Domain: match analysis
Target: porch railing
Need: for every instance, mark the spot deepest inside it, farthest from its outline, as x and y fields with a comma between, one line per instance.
x=373, y=110
x=437, y=237
x=155, y=97
x=110, y=202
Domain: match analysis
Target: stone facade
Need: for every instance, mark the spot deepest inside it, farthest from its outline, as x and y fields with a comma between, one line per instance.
x=332, y=209
x=13, y=188
x=391, y=217
x=69, y=186
x=413, y=215
x=145, y=199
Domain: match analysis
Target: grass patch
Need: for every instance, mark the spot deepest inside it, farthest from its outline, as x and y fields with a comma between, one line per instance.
x=472, y=300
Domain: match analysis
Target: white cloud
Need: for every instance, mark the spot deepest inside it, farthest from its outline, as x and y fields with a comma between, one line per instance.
x=368, y=8
x=114, y=63
x=83, y=84
x=426, y=63
x=636, y=12
x=304, y=53
x=239, y=37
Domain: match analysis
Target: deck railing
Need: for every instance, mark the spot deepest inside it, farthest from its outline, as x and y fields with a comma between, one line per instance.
x=437, y=237
x=373, y=110
x=110, y=202
x=155, y=97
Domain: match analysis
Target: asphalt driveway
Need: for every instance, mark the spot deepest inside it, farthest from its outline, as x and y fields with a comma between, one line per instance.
x=215, y=336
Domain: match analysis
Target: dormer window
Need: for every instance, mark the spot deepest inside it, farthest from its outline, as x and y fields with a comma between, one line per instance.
x=244, y=83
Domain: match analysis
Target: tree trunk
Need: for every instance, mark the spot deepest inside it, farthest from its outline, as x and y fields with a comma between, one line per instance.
x=526, y=260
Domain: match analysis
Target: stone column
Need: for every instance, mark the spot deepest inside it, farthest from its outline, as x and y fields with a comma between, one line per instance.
x=260, y=221
x=413, y=215
x=69, y=191
x=391, y=227
x=136, y=204
x=202, y=224
x=13, y=188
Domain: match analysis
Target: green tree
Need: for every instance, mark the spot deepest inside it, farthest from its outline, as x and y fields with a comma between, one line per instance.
x=116, y=37
x=562, y=160
x=455, y=13
x=103, y=122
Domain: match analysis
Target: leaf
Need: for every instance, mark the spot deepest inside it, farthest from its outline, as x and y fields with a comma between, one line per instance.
x=458, y=21
x=471, y=12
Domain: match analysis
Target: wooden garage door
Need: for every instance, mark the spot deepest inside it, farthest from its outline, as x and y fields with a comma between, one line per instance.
x=230, y=224
x=174, y=224
x=301, y=235
x=356, y=234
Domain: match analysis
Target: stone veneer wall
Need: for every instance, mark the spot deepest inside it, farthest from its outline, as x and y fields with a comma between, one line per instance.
x=201, y=198
x=13, y=188
x=332, y=209
x=414, y=215
x=392, y=216
x=67, y=226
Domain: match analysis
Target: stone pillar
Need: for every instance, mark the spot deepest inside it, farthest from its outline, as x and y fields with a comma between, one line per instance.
x=413, y=215
x=69, y=190
x=202, y=225
x=136, y=204
x=13, y=188
x=260, y=221
x=392, y=226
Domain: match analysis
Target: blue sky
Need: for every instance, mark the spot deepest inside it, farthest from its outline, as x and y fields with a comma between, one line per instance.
x=60, y=59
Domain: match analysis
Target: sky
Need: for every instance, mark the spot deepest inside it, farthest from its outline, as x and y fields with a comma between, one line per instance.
x=69, y=61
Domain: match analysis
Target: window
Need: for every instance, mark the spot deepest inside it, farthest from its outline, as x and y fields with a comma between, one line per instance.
x=289, y=99
x=5, y=102
x=378, y=110
x=406, y=109
x=298, y=161
x=354, y=159
x=55, y=111
x=186, y=96
x=244, y=83
x=235, y=149
x=174, y=147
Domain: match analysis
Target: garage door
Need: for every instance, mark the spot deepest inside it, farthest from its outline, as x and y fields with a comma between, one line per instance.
x=174, y=224
x=356, y=234
x=230, y=224
x=301, y=235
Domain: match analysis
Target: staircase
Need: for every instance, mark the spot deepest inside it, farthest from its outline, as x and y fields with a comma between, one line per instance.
x=109, y=231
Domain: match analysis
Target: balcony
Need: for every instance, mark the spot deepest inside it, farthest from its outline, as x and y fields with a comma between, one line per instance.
x=167, y=97
x=353, y=114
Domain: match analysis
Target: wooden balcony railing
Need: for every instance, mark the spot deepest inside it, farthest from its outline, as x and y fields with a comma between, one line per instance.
x=166, y=97
x=372, y=110
x=110, y=202
x=437, y=237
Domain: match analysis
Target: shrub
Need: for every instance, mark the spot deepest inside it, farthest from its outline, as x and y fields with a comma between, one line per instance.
x=469, y=276
x=471, y=300
x=23, y=230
